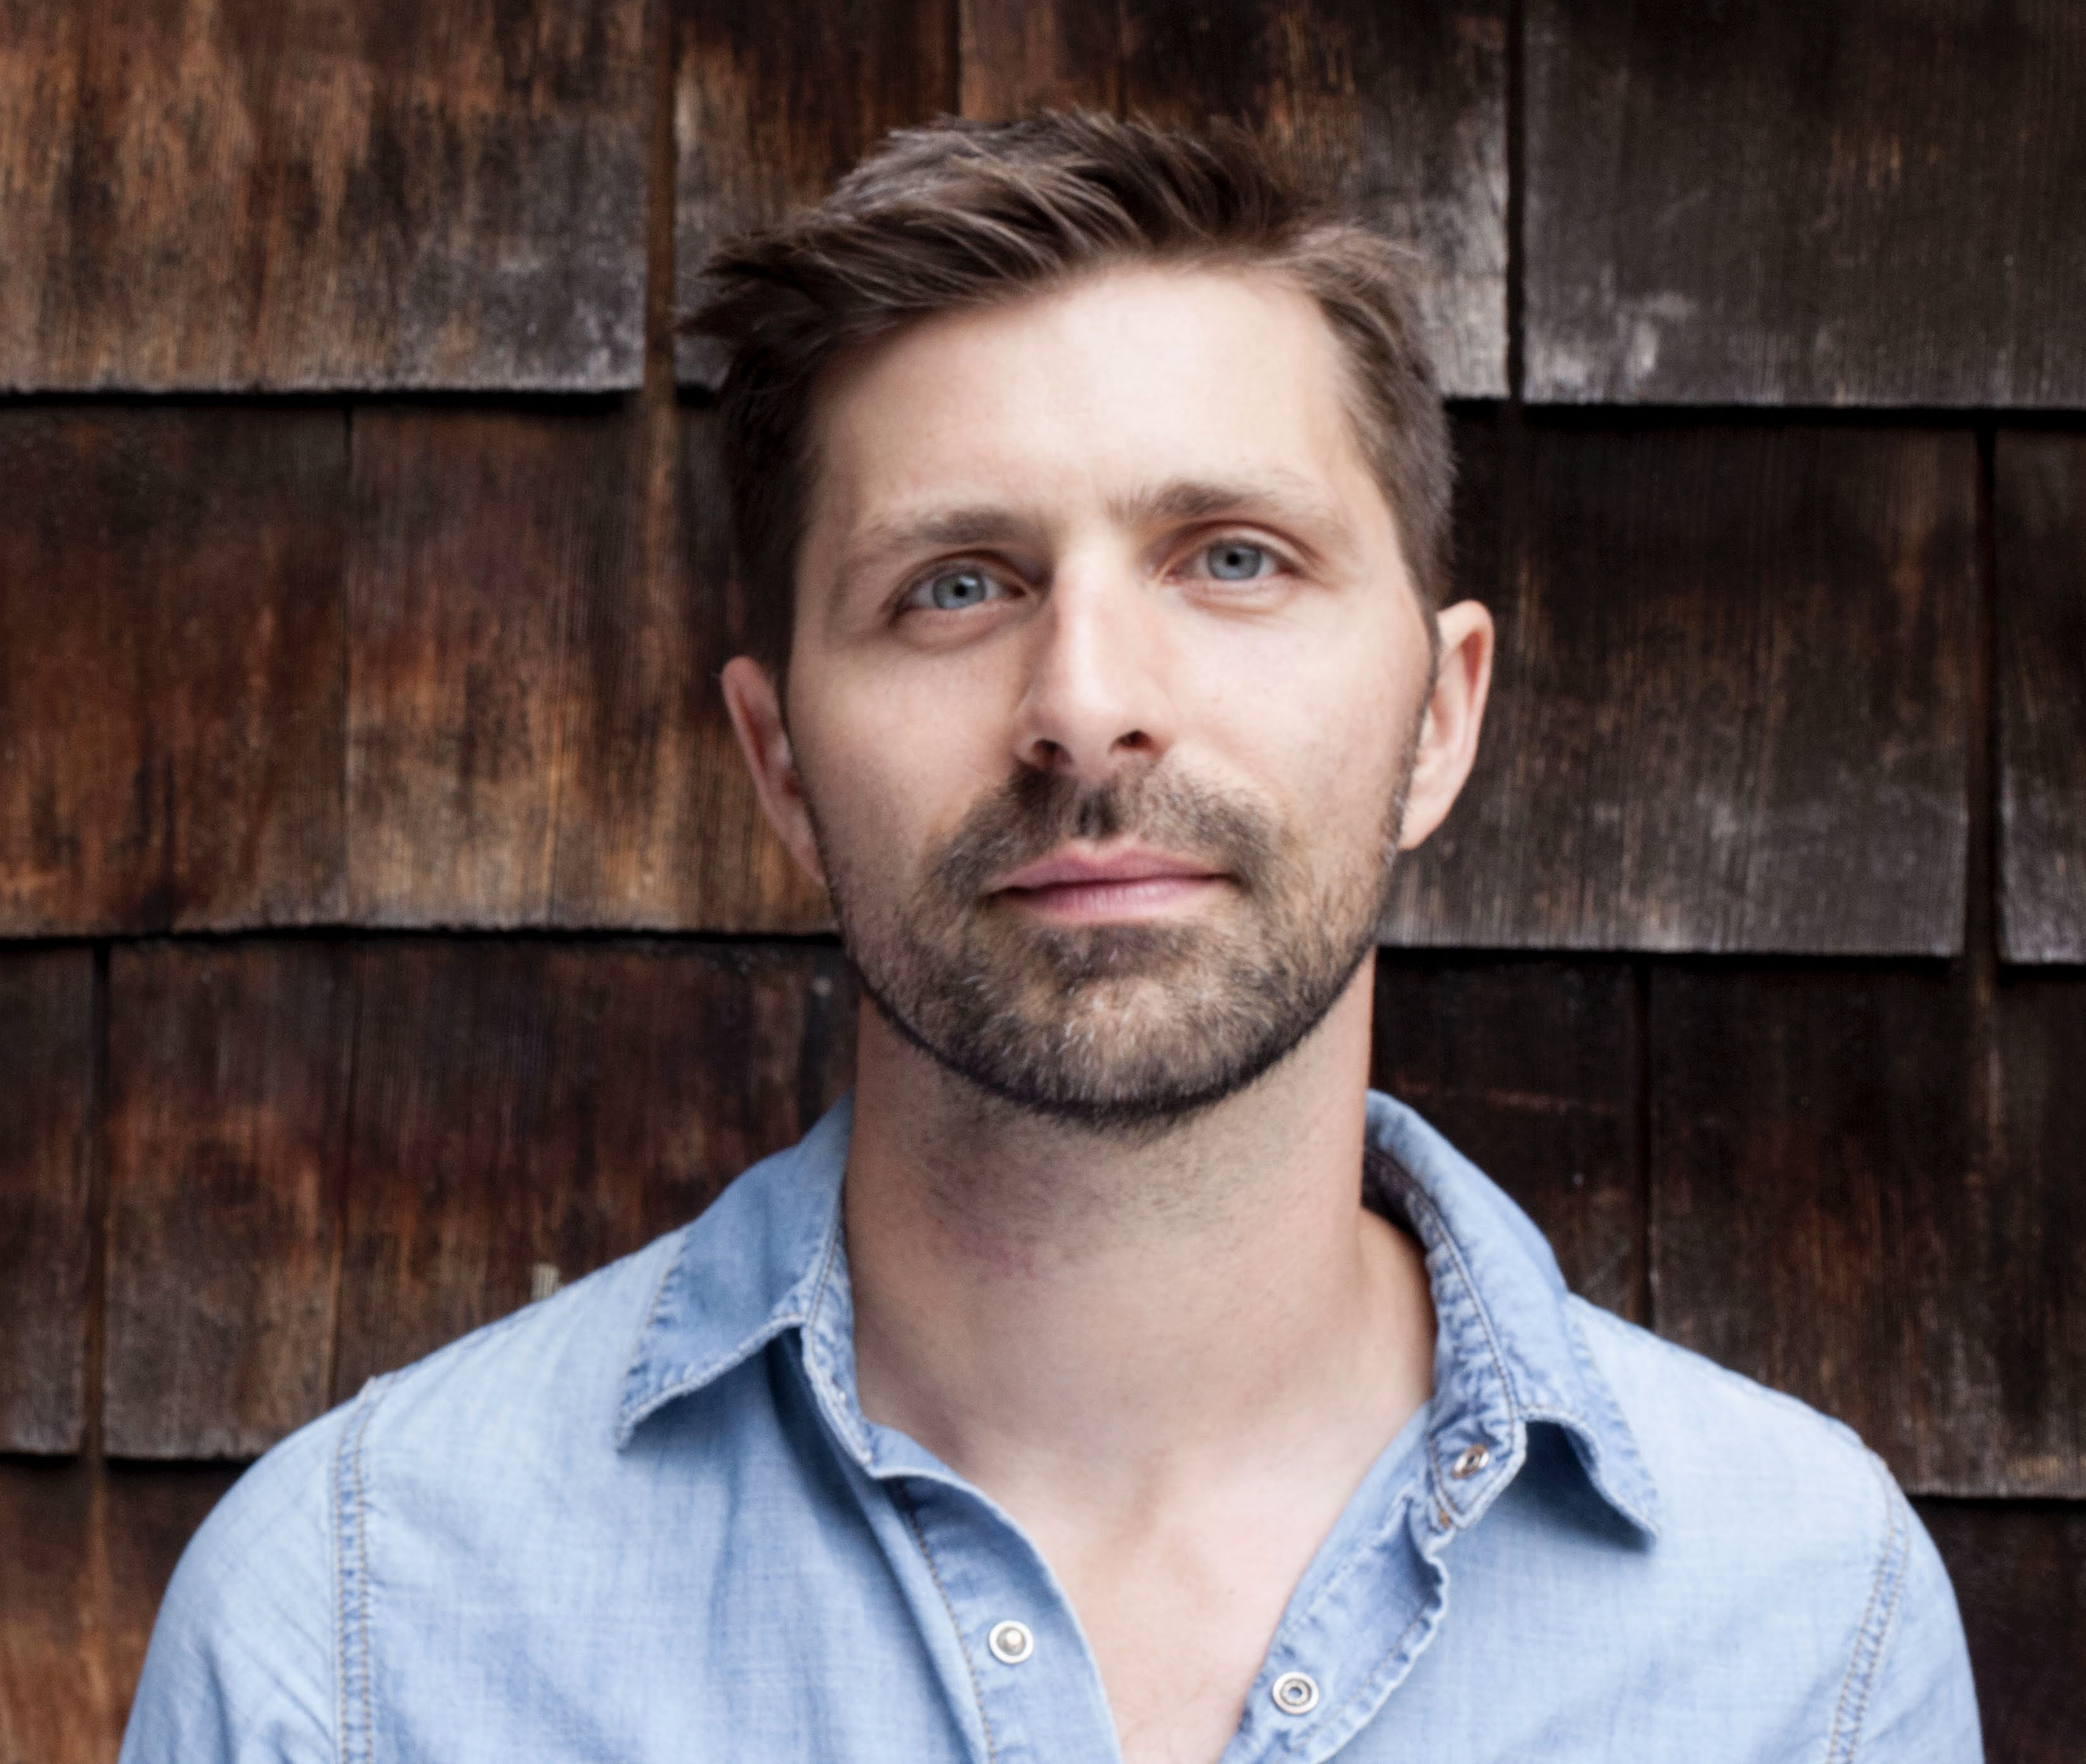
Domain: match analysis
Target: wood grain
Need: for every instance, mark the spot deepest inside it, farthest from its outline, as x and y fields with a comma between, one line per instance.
x=2040, y=521
x=85, y=1555
x=658, y=826
x=1874, y=202
x=540, y=1104
x=1731, y=704
x=222, y=195
x=774, y=100
x=2019, y=1569
x=1530, y=1069
x=1397, y=111
x=228, y=1082
x=536, y=735
x=46, y=1123
x=1829, y=1215
x=474, y=534
x=170, y=705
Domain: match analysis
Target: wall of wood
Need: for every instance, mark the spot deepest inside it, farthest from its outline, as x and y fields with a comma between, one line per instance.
x=385, y=927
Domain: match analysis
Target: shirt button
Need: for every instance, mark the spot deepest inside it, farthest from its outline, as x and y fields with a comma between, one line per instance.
x=1295, y=1693
x=1010, y=1642
x=1469, y=1462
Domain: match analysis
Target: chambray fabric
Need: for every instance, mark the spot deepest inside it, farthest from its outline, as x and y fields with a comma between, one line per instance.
x=646, y=1520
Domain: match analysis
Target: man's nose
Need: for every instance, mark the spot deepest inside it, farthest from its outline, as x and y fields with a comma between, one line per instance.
x=1097, y=692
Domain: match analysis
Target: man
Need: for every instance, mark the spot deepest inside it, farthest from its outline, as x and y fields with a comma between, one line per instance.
x=1116, y=1376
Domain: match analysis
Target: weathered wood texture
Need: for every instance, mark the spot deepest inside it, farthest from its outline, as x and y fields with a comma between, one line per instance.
x=2040, y=521
x=46, y=1131
x=1398, y=110
x=537, y=614
x=2019, y=1570
x=1873, y=202
x=170, y=699
x=773, y=101
x=84, y=1557
x=544, y=1105
x=322, y=193
x=1530, y=1069
x=1731, y=706
x=228, y=1080
x=1855, y=1199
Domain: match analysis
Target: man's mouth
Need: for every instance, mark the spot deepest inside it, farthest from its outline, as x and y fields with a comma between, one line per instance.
x=1083, y=885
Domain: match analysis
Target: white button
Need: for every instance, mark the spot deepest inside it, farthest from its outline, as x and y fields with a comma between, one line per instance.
x=1295, y=1693
x=1469, y=1462
x=1011, y=1643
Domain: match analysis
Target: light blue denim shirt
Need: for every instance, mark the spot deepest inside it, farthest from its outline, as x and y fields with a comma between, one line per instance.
x=646, y=1520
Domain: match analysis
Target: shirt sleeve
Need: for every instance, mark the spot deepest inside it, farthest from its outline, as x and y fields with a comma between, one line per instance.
x=1922, y=1707
x=241, y=1666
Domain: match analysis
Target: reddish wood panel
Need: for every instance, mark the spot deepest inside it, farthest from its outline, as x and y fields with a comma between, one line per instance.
x=46, y=1101
x=322, y=193
x=1530, y=1069
x=2019, y=1569
x=228, y=1081
x=170, y=616
x=84, y=1558
x=1399, y=111
x=538, y=610
x=1873, y=202
x=544, y=1105
x=773, y=100
x=1829, y=1215
x=658, y=826
x=2040, y=520
x=1731, y=707
x=474, y=533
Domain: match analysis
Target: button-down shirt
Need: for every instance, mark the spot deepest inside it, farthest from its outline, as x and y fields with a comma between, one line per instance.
x=647, y=1520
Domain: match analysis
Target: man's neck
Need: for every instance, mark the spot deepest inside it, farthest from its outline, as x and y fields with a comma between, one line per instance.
x=1078, y=1319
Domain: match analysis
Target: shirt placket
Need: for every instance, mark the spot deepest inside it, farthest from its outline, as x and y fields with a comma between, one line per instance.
x=1039, y=1692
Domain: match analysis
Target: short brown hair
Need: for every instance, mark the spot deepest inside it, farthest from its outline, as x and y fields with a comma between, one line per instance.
x=966, y=214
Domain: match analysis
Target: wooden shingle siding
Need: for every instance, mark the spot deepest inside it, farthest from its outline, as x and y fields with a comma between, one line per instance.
x=85, y=1554
x=47, y=1103
x=774, y=99
x=1400, y=112
x=1531, y=1069
x=2019, y=1569
x=537, y=1104
x=2040, y=516
x=1860, y=1195
x=1873, y=202
x=1732, y=701
x=170, y=619
x=229, y=1068
x=322, y=194
x=537, y=614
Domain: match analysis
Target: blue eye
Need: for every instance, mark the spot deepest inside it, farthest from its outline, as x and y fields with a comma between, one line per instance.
x=955, y=590
x=1233, y=560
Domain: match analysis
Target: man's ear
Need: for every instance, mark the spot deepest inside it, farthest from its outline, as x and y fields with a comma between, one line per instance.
x=756, y=713
x=1449, y=727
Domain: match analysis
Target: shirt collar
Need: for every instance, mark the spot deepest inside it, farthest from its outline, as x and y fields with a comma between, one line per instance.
x=768, y=1257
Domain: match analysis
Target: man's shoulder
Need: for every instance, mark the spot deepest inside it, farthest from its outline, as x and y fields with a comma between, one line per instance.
x=1728, y=1453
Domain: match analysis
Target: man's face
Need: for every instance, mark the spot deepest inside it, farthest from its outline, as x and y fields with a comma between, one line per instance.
x=1105, y=689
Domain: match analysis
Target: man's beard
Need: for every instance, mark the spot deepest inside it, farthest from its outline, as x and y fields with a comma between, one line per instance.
x=1123, y=1028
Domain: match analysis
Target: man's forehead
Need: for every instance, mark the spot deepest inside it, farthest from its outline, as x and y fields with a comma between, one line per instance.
x=1157, y=393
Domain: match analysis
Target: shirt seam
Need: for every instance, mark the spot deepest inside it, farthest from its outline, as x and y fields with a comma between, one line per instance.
x=1875, y=1625
x=970, y=1666
x=354, y=1614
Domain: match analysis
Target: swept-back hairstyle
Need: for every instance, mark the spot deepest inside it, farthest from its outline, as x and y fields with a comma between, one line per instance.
x=965, y=215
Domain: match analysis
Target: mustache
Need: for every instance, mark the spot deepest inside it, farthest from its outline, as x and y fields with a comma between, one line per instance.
x=1034, y=813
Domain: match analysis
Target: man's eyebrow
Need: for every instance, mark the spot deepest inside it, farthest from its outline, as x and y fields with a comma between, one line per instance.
x=1285, y=498
x=945, y=529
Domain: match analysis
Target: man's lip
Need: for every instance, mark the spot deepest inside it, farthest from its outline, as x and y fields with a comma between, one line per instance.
x=1070, y=869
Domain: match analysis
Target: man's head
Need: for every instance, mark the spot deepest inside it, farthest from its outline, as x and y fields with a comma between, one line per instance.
x=1090, y=492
